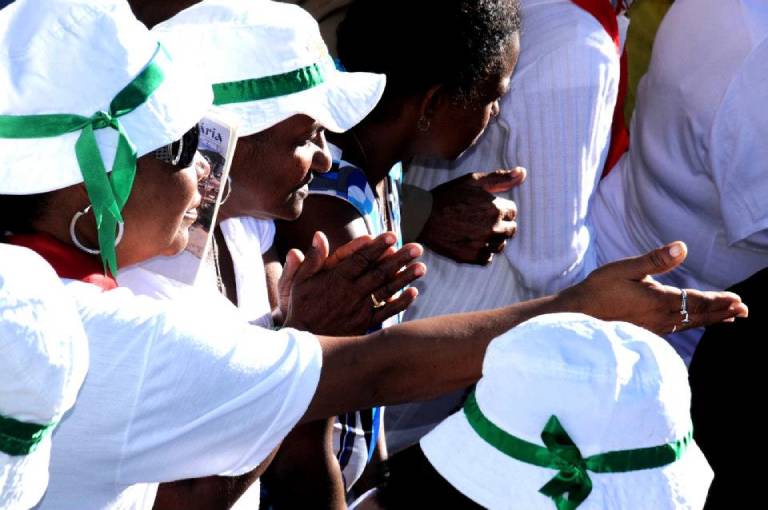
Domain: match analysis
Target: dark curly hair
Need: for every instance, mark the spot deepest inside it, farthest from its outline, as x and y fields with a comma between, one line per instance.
x=18, y=213
x=422, y=43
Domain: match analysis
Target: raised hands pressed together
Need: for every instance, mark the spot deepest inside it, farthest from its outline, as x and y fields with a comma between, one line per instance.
x=352, y=290
x=468, y=223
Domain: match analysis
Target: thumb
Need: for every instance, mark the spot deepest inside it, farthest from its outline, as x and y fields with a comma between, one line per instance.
x=658, y=261
x=293, y=261
x=501, y=180
x=315, y=257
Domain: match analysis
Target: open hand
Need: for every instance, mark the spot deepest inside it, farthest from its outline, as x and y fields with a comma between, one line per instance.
x=624, y=290
x=332, y=295
x=468, y=223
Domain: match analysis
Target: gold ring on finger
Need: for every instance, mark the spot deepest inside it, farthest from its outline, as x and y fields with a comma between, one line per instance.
x=376, y=303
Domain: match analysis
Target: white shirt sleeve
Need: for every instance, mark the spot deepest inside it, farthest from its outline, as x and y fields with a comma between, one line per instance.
x=216, y=395
x=739, y=153
x=559, y=115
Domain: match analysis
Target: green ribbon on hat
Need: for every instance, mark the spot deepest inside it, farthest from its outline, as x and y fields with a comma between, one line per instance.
x=571, y=485
x=107, y=192
x=21, y=438
x=268, y=87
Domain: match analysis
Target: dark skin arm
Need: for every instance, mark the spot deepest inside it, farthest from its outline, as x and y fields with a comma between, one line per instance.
x=337, y=219
x=211, y=492
x=429, y=357
x=306, y=473
x=273, y=269
x=468, y=223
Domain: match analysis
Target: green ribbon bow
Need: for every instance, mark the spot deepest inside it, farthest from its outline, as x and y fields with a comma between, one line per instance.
x=572, y=484
x=21, y=438
x=107, y=192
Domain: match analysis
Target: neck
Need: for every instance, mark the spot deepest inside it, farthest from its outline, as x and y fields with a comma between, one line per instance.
x=375, y=147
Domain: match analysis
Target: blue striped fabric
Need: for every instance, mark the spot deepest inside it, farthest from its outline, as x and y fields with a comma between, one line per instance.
x=349, y=183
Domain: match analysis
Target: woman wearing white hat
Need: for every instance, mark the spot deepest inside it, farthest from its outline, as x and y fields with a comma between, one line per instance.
x=186, y=389
x=571, y=412
x=43, y=363
x=284, y=95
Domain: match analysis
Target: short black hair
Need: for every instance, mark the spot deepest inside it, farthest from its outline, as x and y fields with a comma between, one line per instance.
x=422, y=43
x=409, y=482
x=18, y=213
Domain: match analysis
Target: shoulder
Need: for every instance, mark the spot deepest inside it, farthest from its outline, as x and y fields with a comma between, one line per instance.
x=246, y=227
x=554, y=30
x=348, y=183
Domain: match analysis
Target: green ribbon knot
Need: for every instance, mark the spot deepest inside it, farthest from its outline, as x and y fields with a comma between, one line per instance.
x=572, y=484
x=108, y=192
x=22, y=438
x=572, y=478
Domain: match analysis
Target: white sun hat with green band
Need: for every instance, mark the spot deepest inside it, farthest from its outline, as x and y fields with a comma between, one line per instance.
x=43, y=361
x=573, y=412
x=85, y=89
x=268, y=62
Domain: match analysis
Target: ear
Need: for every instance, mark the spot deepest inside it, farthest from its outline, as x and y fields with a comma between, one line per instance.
x=431, y=101
x=82, y=195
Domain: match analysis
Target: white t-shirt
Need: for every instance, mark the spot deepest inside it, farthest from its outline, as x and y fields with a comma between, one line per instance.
x=696, y=170
x=555, y=121
x=177, y=389
x=43, y=361
x=247, y=240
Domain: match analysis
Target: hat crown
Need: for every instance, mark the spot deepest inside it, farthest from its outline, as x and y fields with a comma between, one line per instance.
x=69, y=57
x=573, y=407
x=613, y=385
x=277, y=38
x=72, y=58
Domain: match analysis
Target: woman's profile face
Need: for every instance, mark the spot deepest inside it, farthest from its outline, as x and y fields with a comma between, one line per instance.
x=271, y=169
x=161, y=208
x=457, y=126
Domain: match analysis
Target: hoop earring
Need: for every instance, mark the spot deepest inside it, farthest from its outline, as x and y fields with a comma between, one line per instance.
x=423, y=124
x=228, y=190
x=76, y=241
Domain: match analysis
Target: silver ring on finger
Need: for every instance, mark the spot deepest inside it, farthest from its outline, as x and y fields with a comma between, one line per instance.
x=684, y=307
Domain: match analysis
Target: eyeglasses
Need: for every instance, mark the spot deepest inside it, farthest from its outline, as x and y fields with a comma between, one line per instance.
x=181, y=152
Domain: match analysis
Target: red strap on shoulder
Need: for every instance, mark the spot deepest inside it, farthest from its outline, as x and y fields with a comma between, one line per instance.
x=604, y=12
x=67, y=261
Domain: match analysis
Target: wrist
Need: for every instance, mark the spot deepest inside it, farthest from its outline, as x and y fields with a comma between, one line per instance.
x=572, y=299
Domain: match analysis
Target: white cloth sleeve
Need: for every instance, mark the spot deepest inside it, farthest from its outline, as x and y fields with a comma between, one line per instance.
x=739, y=153
x=217, y=395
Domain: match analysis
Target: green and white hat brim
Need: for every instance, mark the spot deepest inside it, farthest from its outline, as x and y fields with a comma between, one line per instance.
x=24, y=478
x=340, y=102
x=268, y=62
x=179, y=102
x=499, y=482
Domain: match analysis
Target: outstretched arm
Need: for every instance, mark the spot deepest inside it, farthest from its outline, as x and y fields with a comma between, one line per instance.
x=425, y=358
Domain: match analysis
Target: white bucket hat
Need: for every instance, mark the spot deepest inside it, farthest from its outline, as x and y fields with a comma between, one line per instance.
x=573, y=412
x=43, y=360
x=268, y=61
x=84, y=90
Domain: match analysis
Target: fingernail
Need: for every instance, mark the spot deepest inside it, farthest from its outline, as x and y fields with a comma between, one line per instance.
x=675, y=250
x=418, y=271
x=414, y=252
x=316, y=241
x=389, y=239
